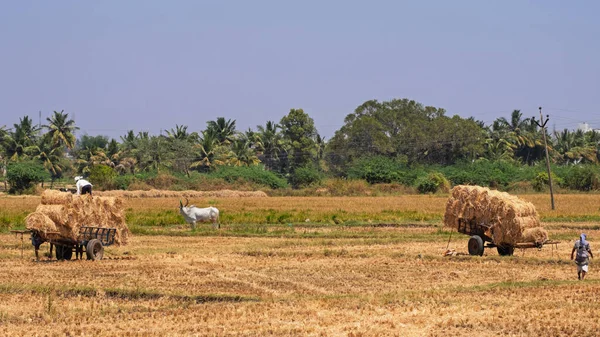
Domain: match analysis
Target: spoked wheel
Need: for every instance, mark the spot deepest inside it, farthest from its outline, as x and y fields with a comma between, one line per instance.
x=476, y=245
x=94, y=250
x=506, y=250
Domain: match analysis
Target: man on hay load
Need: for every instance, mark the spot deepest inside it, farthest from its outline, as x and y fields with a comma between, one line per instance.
x=83, y=186
x=582, y=259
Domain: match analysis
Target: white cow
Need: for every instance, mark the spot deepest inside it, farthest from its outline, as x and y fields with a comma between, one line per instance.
x=193, y=214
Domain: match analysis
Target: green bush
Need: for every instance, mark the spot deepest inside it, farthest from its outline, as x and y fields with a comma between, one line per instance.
x=305, y=176
x=255, y=174
x=541, y=183
x=377, y=170
x=22, y=176
x=498, y=174
x=123, y=182
x=582, y=178
x=433, y=183
x=102, y=176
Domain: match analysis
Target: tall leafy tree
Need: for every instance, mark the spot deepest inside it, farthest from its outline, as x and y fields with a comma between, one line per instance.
x=242, y=153
x=210, y=152
x=298, y=128
x=403, y=129
x=61, y=130
x=24, y=134
x=224, y=130
x=525, y=134
x=3, y=156
x=270, y=144
x=50, y=156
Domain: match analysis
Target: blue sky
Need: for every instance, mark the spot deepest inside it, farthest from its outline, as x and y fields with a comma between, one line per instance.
x=149, y=65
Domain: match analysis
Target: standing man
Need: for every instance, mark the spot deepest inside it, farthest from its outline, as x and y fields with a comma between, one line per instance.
x=582, y=259
x=83, y=186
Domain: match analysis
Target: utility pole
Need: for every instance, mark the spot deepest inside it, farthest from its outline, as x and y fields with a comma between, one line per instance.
x=543, y=126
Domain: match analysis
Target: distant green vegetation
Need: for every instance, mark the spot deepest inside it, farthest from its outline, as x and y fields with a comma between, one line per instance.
x=391, y=143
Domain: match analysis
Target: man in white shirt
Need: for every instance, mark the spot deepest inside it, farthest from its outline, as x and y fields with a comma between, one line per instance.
x=83, y=186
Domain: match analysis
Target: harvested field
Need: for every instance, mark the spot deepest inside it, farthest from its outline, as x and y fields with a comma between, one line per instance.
x=378, y=278
x=384, y=281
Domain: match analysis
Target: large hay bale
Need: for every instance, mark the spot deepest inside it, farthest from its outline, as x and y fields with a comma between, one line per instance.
x=507, y=215
x=536, y=235
x=66, y=214
x=41, y=223
x=59, y=214
x=53, y=197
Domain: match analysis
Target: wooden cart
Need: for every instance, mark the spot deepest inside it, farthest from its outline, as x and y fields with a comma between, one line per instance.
x=479, y=240
x=92, y=240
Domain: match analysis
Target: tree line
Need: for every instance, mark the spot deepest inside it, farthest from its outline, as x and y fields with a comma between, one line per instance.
x=400, y=130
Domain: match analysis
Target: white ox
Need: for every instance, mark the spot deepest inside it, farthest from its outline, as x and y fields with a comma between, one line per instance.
x=193, y=214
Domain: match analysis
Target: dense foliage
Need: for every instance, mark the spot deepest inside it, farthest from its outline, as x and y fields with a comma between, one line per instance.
x=397, y=142
x=22, y=176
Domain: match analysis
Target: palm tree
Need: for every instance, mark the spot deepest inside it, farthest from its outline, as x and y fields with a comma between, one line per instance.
x=242, y=153
x=3, y=159
x=526, y=135
x=61, y=129
x=24, y=134
x=209, y=151
x=180, y=133
x=224, y=130
x=269, y=144
x=50, y=157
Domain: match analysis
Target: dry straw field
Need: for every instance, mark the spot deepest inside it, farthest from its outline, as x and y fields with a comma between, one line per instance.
x=382, y=274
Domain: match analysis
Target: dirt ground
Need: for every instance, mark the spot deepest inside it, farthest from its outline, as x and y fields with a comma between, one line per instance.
x=240, y=286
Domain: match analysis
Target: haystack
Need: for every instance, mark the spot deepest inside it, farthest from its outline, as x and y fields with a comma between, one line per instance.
x=507, y=215
x=53, y=197
x=67, y=214
x=41, y=223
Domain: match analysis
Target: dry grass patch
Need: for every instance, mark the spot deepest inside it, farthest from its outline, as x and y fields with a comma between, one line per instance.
x=296, y=286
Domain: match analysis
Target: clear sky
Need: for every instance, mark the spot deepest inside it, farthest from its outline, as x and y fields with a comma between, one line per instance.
x=148, y=65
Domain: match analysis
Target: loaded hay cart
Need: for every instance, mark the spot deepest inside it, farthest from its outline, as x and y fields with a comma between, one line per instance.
x=61, y=219
x=497, y=218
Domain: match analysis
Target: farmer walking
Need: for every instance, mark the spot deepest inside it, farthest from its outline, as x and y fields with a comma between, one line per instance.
x=83, y=186
x=582, y=259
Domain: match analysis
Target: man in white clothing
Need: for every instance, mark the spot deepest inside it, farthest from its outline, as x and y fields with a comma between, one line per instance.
x=83, y=186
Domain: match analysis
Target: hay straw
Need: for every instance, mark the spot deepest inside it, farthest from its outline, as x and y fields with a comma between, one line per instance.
x=41, y=223
x=536, y=235
x=68, y=213
x=57, y=213
x=507, y=215
x=53, y=197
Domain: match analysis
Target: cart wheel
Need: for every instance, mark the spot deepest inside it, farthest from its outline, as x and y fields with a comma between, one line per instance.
x=475, y=245
x=506, y=250
x=94, y=250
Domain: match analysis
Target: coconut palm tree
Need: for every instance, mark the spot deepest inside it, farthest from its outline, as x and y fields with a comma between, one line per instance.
x=210, y=152
x=50, y=156
x=270, y=144
x=180, y=132
x=223, y=130
x=242, y=154
x=61, y=130
x=24, y=134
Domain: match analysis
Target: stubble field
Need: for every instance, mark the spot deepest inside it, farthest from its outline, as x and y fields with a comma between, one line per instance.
x=375, y=269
